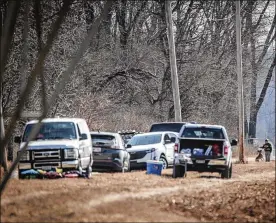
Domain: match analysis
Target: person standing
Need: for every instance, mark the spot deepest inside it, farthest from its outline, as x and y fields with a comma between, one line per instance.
x=268, y=149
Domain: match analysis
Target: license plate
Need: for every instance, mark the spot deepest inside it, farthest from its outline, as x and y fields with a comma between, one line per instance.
x=46, y=167
x=97, y=149
x=200, y=161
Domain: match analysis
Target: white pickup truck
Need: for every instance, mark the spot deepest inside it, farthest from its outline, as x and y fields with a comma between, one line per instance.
x=203, y=148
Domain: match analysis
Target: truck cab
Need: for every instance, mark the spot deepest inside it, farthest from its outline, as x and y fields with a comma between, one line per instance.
x=63, y=143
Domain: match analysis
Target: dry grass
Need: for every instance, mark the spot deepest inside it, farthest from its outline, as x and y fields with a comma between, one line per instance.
x=135, y=196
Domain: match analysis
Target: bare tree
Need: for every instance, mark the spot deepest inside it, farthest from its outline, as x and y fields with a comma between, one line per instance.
x=256, y=62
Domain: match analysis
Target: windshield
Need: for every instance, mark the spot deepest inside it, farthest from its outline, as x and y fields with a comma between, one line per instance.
x=172, y=127
x=201, y=132
x=52, y=130
x=145, y=139
x=98, y=139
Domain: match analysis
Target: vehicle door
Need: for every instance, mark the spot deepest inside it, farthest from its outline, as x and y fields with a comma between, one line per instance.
x=85, y=143
x=169, y=144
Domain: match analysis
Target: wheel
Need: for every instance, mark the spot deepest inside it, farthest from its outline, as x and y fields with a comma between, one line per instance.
x=164, y=161
x=126, y=166
x=20, y=176
x=89, y=172
x=179, y=171
x=80, y=168
x=89, y=169
x=227, y=173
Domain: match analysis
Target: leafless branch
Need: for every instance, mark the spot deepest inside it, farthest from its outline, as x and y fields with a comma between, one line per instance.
x=8, y=32
x=56, y=26
x=65, y=76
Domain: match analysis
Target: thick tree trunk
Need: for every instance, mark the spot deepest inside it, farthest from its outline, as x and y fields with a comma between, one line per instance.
x=122, y=24
x=246, y=127
x=2, y=133
x=252, y=125
x=253, y=114
x=3, y=158
x=255, y=64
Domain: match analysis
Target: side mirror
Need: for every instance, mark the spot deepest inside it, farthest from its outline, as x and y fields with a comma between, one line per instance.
x=83, y=136
x=234, y=142
x=173, y=139
x=128, y=146
x=17, y=139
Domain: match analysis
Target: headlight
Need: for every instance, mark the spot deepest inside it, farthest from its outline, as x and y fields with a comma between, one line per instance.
x=70, y=154
x=150, y=150
x=25, y=155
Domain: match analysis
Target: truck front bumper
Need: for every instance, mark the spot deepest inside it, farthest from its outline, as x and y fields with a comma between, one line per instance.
x=69, y=164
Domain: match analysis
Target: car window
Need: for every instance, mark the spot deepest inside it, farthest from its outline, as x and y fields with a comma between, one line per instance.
x=52, y=130
x=172, y=127
x=82, y=127
x=172, y=135
x=145, y=139
x=126, y=137
x=100, y=139
x=78, y=128
x=202, y=132
x=166, y=137
x=121, y=141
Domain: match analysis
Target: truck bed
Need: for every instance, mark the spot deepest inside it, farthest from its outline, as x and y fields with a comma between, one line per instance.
x=202, y=148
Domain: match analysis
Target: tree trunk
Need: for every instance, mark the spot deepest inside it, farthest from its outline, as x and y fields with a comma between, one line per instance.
x=2, y=132
x=122, y=24
x=253, y=114
x=245, y=123
x=252, y=125
x=255, y=64
x=3, y=158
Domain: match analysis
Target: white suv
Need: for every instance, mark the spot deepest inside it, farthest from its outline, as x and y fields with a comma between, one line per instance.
x=151, y=146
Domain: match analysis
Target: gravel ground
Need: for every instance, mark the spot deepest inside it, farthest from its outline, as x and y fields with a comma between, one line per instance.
x=136, y=197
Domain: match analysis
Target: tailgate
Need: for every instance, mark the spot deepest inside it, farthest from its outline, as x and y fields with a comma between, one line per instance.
x=105, y=153
x=202, y=148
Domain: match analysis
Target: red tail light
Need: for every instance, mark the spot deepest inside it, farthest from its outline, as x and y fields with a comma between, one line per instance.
x=176, y=147
x=226, y=150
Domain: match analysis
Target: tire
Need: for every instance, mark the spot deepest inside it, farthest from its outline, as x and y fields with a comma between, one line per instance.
x=89, y=169
x=179, y=171
x=164, y=161
x=126, y=169
x=227, y=173
x=20, y=176
x=80, y=168
x=89, y=172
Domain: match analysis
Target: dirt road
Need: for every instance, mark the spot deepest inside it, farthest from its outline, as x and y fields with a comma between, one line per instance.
x=136, y=197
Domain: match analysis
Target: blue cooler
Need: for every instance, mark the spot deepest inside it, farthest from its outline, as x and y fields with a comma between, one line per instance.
x=154, y=167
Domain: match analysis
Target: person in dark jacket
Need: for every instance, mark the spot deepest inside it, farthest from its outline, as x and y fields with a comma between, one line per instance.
x=268, y=149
